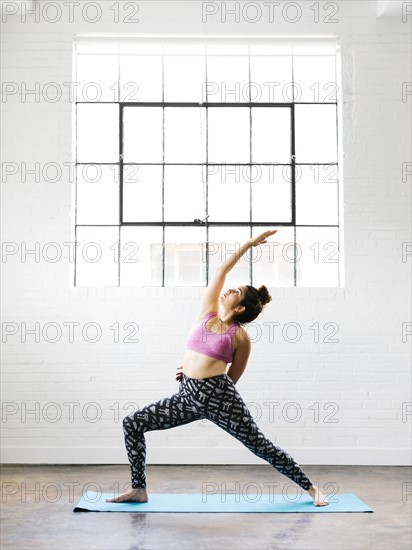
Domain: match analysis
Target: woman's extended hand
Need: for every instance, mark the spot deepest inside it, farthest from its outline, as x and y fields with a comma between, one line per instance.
x=179, y=375
x=261, y=239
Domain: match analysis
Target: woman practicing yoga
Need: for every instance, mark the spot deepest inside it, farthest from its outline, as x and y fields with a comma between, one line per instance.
x=206, y=390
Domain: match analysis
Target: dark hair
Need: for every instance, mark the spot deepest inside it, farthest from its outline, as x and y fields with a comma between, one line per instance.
x=254, y=302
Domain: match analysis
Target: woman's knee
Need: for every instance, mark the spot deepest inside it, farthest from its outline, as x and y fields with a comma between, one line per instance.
x=134, y=421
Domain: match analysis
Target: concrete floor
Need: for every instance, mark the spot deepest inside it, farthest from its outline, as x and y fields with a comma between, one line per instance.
x=46, y=520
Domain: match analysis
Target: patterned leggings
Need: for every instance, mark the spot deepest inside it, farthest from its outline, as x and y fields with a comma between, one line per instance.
x=217, y=399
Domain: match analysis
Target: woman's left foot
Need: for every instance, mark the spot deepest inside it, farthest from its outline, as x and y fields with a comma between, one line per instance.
x=318, y=498
x=134, y=495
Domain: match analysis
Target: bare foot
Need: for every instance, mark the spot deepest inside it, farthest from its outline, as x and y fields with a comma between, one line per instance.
x=134, y=495
x=318, y=498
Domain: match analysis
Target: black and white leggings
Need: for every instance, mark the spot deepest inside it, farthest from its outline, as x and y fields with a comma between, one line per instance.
x=217, y=399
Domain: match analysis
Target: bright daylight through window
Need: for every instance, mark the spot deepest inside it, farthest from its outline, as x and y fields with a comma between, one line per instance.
x=187, y=147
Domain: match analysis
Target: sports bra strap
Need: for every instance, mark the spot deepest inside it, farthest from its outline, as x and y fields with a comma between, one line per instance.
x=230, y=330
x=233, y=328
x=207, y=316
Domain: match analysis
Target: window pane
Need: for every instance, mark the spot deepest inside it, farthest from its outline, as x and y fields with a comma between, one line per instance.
x=96, y=255
x=185, y=256
x=273, y=77
x=316, y=133
x=142, y=193
x=185, y=78
x=183, y=46
x=225, y=47
x=143, y=134
x=94, y=44
x=98, y=78
x=97, y=194
x=317, y=195
x=185, y=139
x=270, y=46
x=228, y=139
x=141, y=78
x=271, y=194
x=229, y=193
x=139, y=46
x=224, y=241
x=315, y=78
x=318, y=256
x=141, y=256
x=227, y=79
x=97, y=133
x=271, y=130
x=310, y=47
x=185, y=194
x=273, y=262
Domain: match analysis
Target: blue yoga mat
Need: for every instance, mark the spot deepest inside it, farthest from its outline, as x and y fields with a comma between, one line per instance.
x=224, y=503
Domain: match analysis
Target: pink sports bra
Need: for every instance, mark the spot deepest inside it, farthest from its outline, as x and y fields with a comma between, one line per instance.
x=213, y=344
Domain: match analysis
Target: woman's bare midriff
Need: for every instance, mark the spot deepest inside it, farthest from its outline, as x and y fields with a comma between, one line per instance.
x=198, y=365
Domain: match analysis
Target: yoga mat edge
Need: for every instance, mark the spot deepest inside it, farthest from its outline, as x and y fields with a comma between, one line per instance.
x=225, y=503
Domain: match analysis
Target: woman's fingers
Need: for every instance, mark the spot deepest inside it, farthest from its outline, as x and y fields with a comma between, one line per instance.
x=261, y=239
x=268, y=233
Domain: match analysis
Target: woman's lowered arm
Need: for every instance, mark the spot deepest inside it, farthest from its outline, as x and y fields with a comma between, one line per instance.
x=240, y=357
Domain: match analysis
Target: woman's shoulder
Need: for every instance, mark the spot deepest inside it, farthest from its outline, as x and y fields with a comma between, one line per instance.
x=242, y=334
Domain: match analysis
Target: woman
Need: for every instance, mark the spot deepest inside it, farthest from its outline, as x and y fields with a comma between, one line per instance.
x=206, y=390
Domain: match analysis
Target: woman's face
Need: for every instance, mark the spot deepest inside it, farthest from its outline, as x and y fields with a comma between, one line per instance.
x=233, y=296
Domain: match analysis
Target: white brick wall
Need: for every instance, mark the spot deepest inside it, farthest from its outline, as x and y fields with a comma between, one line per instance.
x=365, y=376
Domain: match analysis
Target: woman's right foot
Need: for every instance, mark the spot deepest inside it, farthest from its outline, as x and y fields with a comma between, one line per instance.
x=134, y=495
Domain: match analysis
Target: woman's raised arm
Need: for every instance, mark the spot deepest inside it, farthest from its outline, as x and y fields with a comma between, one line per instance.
x=210, y=300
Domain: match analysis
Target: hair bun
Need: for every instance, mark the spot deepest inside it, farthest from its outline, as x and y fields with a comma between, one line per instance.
x=264, y=296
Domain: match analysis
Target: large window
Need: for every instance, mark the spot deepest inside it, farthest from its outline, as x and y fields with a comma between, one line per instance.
x=185, y=148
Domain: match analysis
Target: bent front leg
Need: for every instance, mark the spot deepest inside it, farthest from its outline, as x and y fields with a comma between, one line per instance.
x=166, y=413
